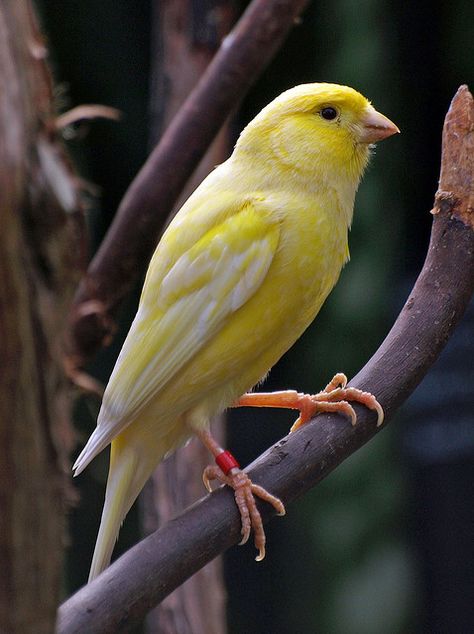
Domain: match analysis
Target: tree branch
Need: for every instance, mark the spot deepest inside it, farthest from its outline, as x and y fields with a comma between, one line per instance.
x=147, y=573
x=132, y=237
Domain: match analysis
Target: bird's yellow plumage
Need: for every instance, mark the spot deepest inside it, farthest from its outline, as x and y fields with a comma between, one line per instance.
x=239, y=274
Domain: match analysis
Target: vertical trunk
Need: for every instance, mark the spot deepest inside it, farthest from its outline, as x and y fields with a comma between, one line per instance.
x=39, y=231
x=186, y=35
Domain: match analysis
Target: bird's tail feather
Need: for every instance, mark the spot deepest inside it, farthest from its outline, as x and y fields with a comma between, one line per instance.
x=128, y=472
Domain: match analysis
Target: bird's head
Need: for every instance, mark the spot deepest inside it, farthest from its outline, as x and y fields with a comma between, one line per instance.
x=321, y=128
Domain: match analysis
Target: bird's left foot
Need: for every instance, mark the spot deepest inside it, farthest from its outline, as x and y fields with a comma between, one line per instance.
x=245, y=492
x=335, y=397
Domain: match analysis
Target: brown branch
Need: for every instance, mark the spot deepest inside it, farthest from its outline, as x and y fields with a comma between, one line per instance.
x=147, y=573
x=132, y=237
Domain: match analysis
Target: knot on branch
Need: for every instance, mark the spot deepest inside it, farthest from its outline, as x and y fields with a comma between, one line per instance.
x=445, y=202
x=91, y=322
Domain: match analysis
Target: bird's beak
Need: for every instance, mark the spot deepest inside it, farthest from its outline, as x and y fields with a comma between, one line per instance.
x=376, y=126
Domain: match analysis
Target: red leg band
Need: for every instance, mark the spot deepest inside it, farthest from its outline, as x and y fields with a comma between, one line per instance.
x=226, y=461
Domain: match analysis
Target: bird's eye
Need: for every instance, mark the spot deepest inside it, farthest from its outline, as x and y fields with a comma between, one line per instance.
x=329, y=113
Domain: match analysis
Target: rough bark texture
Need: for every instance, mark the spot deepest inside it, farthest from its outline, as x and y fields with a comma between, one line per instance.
x=147, y=573
x=186, y=36
x=39, y=228
x=456, y=181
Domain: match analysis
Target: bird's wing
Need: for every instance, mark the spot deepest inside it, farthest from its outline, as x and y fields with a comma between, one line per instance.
x=182, y=309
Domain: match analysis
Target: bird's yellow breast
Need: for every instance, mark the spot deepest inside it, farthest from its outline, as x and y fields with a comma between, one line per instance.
x=311, y=251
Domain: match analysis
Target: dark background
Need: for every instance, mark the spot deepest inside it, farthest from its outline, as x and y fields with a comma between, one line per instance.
x=384, y=545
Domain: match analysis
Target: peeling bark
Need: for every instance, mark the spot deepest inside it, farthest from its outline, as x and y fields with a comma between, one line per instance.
x=39, y=253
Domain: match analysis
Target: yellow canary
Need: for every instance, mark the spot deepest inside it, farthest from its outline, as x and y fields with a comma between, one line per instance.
x=239, y=274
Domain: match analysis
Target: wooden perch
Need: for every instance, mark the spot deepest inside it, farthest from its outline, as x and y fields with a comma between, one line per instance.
x=130, y=241
x=147, y=573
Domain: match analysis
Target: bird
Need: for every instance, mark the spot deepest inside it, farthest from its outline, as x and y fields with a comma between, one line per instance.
x=238, y=275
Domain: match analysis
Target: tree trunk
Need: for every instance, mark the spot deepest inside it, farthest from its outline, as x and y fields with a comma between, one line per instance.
x=186, y=36
x=40, y=229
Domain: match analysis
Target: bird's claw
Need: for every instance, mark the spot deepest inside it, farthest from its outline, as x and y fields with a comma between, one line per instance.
x=207, y=476
x=245, y=492
x=335, y=398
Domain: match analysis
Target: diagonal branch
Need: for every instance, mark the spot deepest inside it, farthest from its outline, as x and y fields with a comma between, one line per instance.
x=129, y=243
x=153, y=568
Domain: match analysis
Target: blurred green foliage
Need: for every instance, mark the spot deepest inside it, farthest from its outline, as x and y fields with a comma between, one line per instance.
x=339, y=563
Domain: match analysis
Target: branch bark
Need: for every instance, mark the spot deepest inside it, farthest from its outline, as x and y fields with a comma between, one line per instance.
x=39, y=255
x=132, y=237
x=147, y=573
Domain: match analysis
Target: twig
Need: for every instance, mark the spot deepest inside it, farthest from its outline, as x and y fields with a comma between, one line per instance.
x=147, y=573
x=129, y=243
x=86, y=111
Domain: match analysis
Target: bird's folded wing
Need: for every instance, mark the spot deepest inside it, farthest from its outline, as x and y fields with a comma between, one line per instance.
x=181, y=310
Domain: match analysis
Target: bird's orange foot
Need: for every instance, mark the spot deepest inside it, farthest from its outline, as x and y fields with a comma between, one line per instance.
x=245, y=491
x=336, y=397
